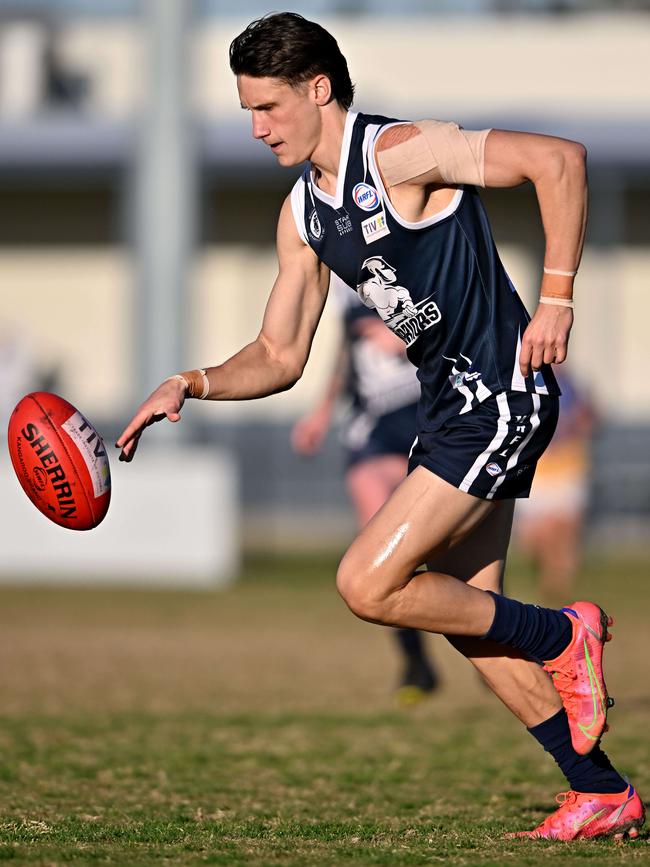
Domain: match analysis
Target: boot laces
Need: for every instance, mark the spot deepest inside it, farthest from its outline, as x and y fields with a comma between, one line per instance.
x=565, y=800
x=569, y=798
x=564, y=677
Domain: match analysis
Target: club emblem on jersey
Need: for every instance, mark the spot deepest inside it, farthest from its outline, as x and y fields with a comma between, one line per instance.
x=393, y=302
x=494, y=469
x=316, y=230
x=467, y=382
x=365, y=197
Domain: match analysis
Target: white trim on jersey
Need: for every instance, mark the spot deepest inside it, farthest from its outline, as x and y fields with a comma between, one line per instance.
x=500, y=435
x=336, y=201
x=407, y=224
x=343, y=296
x=518, y=383
x=298, y=208
x=514, y=458
x=371, y=131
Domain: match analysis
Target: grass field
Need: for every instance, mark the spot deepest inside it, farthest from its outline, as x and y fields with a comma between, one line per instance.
x=257, y=726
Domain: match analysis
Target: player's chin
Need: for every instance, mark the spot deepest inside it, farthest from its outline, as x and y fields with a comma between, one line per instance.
x=287, y=160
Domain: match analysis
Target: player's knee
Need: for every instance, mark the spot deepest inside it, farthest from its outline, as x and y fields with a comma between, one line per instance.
x=359, y=593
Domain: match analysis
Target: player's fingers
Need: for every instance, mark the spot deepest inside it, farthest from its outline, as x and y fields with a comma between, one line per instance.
x=135, y=426
x=173, y=416
x=524, y=359
x=560, y=353
x=537, y=358
x=549, y=354
x=129, y=448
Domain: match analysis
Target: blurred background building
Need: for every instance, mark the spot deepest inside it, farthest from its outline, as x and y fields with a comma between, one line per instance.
x=138, y=215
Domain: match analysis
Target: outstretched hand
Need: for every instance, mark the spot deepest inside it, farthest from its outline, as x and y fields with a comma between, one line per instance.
x=165, y=402
x=308, y=433
x=546, y=339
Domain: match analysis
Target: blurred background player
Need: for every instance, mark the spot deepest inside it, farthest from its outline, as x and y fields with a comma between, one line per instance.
x=549, y=524
x=372, y=370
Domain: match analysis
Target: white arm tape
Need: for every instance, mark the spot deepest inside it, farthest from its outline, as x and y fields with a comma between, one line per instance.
x=458, y=154
x=559, y=273
x=556, y=301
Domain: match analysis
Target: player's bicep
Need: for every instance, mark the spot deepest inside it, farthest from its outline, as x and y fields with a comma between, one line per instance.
x=511, y=158
x=296, y=302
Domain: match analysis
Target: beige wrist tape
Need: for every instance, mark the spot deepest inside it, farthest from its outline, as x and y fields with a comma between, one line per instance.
x=458, y=154
x=197, y=383
x=559, y=273
x=557, y=301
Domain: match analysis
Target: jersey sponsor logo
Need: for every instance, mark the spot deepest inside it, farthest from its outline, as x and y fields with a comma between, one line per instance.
x=343, y=222
x=494, y=469
x=381, y=292
x=365, y=197
x=316, y=230
x=375, y=227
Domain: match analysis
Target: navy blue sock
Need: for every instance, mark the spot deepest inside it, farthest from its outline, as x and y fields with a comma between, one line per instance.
x=541, y=633
x=410, y=641
x=590, y=773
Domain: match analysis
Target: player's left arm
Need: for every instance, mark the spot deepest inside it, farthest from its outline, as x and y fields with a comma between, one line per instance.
x=557, y=168
x=432, y=153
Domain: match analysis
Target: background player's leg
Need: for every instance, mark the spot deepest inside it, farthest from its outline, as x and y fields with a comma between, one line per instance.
x=370, y=483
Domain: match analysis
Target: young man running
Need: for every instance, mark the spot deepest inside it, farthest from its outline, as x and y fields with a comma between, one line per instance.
x=421, y=252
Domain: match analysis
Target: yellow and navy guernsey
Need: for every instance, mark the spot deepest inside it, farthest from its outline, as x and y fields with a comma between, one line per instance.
x=438, y=283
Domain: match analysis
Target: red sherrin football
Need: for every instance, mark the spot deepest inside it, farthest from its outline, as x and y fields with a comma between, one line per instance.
x=60, y=461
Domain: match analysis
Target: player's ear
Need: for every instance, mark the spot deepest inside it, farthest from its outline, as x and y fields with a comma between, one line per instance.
x=321, y=89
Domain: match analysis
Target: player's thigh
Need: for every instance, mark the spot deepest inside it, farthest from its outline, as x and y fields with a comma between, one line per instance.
x=481, y=559
x=423, y=518
x=370, y=482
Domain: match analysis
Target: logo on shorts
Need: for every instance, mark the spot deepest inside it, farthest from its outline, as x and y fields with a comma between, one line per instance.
x=365, y=197
x=494, y=469
x=315, y=226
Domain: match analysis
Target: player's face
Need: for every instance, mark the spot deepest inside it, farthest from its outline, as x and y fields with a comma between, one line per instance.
x=285, y=118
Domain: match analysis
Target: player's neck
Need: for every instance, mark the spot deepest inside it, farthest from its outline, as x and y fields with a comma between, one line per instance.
x=327, y=154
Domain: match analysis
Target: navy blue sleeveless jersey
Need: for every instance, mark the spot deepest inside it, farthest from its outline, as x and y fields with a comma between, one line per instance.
x=439, y=283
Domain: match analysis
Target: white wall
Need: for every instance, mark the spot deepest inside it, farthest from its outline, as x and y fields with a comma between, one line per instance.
x=173, y=521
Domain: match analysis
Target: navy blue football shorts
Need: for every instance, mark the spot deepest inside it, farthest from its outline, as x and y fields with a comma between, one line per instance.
x=492, y=451
x=368, y=437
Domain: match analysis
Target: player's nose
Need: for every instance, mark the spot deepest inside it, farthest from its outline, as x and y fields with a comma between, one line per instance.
x=260, y=128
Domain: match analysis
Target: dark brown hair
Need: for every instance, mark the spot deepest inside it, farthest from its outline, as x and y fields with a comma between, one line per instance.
x=287, y=46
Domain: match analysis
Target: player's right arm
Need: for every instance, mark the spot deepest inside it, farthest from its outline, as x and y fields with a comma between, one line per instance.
x=274, y=361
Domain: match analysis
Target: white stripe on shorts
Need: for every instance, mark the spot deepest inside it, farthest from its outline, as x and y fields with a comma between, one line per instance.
x=500, y=435
x=512, y=460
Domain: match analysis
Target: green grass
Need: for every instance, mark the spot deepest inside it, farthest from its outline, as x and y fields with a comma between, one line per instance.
x=257, y=726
